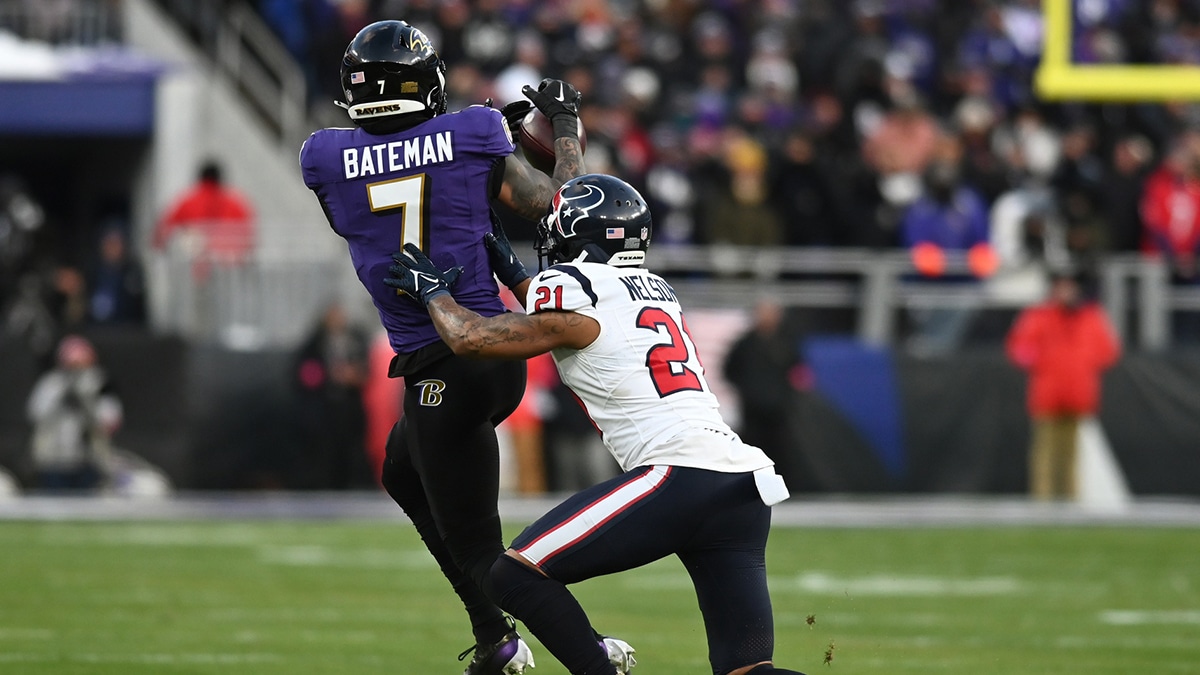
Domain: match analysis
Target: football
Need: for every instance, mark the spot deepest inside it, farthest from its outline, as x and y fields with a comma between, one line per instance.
x=536, y=138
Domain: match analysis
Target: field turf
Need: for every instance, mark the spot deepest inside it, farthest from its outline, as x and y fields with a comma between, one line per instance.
x=348, y=597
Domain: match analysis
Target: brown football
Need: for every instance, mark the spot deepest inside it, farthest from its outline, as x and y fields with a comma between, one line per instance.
x=536, y=138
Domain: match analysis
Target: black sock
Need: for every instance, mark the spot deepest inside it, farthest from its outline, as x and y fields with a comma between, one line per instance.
x=551, y=613
x=768, y=669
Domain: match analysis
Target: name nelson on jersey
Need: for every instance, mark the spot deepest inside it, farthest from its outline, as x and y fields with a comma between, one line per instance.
x=648, y=288
x=372, y=160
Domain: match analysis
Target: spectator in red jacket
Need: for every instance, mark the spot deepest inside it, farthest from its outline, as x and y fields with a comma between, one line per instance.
x=1065, y=344
x=220, y=216
x=1170, y=209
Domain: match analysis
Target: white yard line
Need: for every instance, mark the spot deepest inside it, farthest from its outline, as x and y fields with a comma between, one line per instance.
x=1133, y=617
x=800, y=511
x=201, y=658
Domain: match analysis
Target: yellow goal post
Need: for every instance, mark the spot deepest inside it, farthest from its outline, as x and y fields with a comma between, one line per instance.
x=1058, y=79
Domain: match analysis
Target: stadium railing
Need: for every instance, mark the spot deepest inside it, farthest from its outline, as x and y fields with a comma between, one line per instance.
x=86, y=23
x=272, y=299
x=265, y=300
x=246, y=50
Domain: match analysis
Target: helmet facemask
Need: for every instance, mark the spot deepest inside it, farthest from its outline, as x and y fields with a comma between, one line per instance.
x=549, y=242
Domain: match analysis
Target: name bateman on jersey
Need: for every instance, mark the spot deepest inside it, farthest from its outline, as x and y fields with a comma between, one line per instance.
x=372, y=160
x=648, y=288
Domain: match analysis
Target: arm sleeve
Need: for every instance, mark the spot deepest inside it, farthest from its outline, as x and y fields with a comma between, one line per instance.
x=1021, y=346
x=494, y=138
x=308, y=165
x=45, y=397
x=1109, y=347
x=1154, y=212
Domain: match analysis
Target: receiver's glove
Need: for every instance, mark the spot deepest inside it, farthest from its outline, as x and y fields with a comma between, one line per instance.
x=507, y=266
x=559, y=101
x=514, y=115
x=415, y=274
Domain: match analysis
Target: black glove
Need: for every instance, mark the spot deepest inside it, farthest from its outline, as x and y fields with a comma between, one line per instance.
x=415, y=274
x=559, y=101
x=508, y=267
x=514, y=114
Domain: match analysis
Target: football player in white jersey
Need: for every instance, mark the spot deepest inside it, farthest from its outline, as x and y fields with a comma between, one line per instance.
x=691, y=487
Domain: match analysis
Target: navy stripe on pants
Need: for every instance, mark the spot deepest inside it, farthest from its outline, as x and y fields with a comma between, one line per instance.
x=716, y=524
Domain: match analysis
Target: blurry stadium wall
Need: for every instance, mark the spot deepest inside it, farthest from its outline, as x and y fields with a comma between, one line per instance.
x=215, y=418
x=965, y=429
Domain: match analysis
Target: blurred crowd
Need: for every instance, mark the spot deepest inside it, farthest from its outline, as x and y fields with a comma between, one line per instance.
x=817, y=123
x=864, y=123
x=43, y=297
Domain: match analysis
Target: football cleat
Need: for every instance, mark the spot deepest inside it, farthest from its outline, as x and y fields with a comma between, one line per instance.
x=509, y=656
x=620, y=654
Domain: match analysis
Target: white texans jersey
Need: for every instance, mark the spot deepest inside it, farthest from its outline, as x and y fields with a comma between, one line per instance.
x=641, y=381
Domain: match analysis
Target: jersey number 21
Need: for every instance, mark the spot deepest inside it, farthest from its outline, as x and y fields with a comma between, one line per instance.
x=668, y=362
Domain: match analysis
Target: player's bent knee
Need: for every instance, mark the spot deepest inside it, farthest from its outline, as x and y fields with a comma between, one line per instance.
x=506, y=576
x=474, y=546
x=511, y=583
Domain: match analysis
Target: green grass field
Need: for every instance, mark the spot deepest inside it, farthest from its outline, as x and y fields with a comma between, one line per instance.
x=301, y=597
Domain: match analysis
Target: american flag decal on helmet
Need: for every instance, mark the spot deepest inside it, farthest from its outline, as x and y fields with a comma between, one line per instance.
x=614, y=233
x=357, y=78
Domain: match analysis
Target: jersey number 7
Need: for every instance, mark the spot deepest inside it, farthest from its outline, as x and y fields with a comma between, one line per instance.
x=668, y=362
x=408, y=195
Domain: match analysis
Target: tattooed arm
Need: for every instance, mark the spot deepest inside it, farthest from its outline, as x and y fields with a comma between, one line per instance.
x=568, y=159
x=510, y=335
x=528, y=191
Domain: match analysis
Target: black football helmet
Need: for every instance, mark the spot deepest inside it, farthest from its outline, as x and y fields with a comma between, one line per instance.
x=595, y=218
x=391, y=68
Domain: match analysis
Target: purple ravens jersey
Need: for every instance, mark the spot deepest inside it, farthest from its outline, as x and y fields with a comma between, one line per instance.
x=427, y=185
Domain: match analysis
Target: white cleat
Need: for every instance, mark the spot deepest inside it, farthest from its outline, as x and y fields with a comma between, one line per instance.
x=520, y=661
x=509, y=656
x=620, y=654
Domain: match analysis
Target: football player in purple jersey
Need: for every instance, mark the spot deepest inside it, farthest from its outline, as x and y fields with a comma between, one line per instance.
x=691, y=487
x=409, y=173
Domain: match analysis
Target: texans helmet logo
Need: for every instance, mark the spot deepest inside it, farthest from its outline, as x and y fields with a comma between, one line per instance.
x=568, y=209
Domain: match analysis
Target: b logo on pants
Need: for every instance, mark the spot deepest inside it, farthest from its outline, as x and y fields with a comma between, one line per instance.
x=431, y=392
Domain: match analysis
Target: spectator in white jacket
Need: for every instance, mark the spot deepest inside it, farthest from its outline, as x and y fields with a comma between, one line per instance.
x=74, y=412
